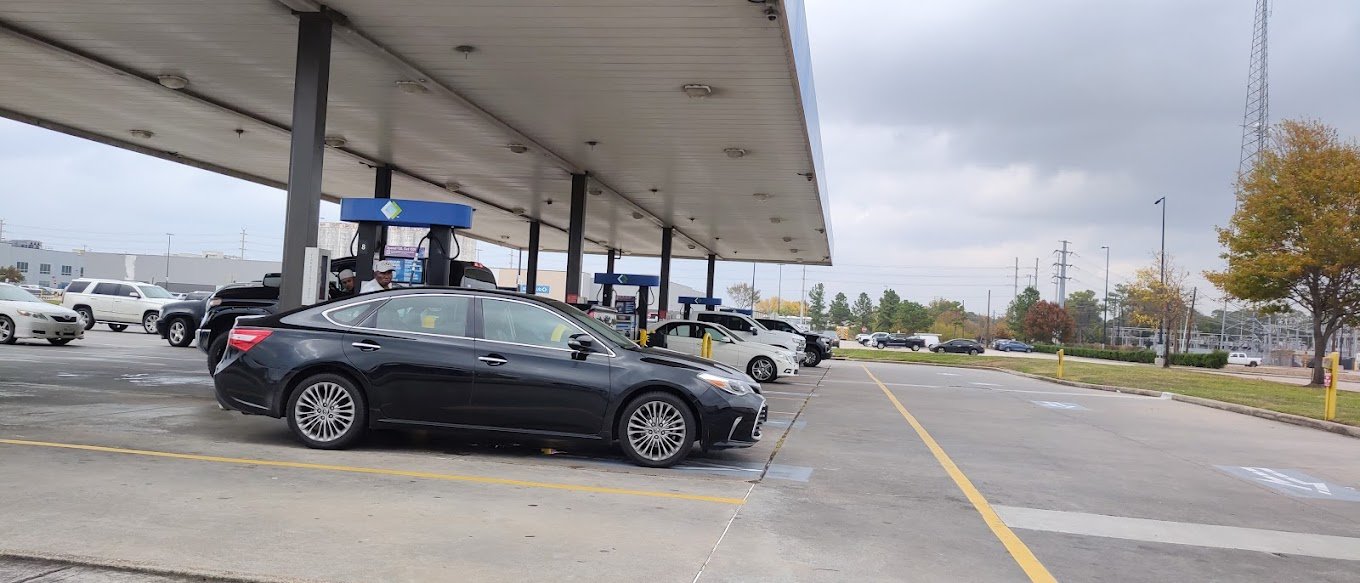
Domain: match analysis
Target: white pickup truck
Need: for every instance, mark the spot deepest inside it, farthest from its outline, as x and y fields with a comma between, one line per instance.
x=1242, y=358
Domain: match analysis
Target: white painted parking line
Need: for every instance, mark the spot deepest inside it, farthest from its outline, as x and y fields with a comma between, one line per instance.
x=985, y=384
x=1060, y=405
x=788, y=393
x=1182, y=533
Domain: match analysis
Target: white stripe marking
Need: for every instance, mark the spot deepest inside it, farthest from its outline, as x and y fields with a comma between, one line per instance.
x=1183, y=533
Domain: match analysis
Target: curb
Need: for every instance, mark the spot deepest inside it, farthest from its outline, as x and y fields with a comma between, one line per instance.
x=1309, y=422
x=133, y=568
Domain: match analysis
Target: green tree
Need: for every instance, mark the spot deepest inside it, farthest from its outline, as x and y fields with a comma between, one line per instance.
x=1015, y=314
x=887, y=311
x=1294, y=241
x=949, y=324
x=840, y=310
x=1155, y=301
x=863, y=311
x=939, y=306
x=11, y=274
x=817, y=307
x=913, y=317
x=1047, y=322
x=743, y=294
x=1085, y=312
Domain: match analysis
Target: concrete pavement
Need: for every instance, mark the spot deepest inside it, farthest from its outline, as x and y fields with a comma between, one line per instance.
x=1090, y=485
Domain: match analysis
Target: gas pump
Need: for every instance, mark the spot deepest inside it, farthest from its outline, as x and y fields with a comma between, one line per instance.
x=441, y=218
x=688, y=301
x=632, y=310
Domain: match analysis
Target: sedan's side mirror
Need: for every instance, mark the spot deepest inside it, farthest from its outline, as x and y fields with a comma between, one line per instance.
x=581, y=343
x=755, y=332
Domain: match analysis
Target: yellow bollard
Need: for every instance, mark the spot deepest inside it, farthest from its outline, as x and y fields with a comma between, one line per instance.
x=1329, y=401
x=1060, y=362
x=642, y=336
x=706, y=347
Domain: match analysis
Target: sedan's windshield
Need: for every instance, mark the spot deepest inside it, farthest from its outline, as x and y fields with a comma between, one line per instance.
x=155, y=292
x=14, y=294
x=595, y=327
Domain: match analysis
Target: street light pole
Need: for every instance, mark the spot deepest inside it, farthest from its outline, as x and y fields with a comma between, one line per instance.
x=1105, y=320
x=1161, y=329
x=167, y=256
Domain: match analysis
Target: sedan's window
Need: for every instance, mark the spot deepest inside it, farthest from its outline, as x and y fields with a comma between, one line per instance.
x=714, y=333
x=684, y=330
x=443, y=315
x=351, y=315
x=507, y=321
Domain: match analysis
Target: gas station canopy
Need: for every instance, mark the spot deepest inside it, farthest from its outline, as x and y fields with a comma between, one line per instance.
x=694, y=114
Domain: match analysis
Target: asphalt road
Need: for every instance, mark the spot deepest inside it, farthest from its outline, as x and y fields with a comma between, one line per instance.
x=113, y=452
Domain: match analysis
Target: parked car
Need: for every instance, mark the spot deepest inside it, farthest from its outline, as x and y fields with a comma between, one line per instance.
x=762, y=362
x=755, y=331
x=833, y=340
x=930, y=340
x=861, y=338
x=817, y=347
x=961, y=345
x=116, y=303
x=500, y=363
x=23, y=315
x=1242, y=359
x=179, y=320
x=1013, y=346
x=900, y=340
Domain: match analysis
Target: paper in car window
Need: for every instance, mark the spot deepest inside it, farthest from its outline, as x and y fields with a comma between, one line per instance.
x=557, y=332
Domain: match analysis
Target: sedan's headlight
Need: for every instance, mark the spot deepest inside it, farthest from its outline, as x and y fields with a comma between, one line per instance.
x=732, y=386
x=34, y=315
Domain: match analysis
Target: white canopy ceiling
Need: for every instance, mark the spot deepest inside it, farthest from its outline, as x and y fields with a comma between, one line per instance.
x=584, y=85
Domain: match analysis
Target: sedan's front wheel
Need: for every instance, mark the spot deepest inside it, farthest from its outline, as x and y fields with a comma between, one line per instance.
x=939, y=351
x=327, y=412
x=657, y=430
x=8, y=335
x=762, y=369
x=972, y=352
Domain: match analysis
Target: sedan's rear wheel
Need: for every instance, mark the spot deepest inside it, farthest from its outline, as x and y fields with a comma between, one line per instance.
x=972, y=352
x=657, y=430
x=762, y=369
x=7, y=332
x=327, y=412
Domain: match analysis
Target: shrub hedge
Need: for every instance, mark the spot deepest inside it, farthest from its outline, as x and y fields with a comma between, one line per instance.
x=1143, y=356
x=1209, y=360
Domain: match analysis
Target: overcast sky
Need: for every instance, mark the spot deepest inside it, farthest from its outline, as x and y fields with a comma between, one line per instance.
x=958, y=136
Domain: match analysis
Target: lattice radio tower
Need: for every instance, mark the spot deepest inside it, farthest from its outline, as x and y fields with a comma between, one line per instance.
x=1256, y=114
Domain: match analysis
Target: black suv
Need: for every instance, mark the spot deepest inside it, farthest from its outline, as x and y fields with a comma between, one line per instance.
x=818, y=348
x=180, y=319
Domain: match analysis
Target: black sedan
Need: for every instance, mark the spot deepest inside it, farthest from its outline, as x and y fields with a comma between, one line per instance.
x=961, y=345
x=488, y=361
x=1013, y=346
x=179, y=320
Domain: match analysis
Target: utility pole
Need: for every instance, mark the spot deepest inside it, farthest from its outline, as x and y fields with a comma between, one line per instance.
x=1189, y=317
x=1061, y=276
x=243, y=243
x=1036, y=273
x=753, y=287
x=1223, y=331
x=1166, y=309
x=1105, y=320
x=2, y=229
x=779, y=293
x=987, y=333
x=1016, y=293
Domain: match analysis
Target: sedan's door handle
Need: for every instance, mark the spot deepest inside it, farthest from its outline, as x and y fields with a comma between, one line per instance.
x=366, y=345
x=492, y=360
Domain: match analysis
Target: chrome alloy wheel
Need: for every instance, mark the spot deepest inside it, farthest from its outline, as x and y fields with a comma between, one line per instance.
x=325, y=412
x=656, y=430
x=178, y=329
x=763, y=370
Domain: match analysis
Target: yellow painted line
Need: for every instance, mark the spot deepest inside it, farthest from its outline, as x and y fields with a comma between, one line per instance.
x=1016, y=547
x=383, y=472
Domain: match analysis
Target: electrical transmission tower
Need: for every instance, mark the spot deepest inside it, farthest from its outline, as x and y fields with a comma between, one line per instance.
x=1061, y=277
x=1256, y=114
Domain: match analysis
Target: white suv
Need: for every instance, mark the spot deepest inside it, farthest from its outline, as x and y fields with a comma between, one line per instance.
x=116, y=303
x=754, y=331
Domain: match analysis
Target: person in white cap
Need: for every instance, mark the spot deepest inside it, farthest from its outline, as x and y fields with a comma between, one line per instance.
x=347, y=282
x=382, y=277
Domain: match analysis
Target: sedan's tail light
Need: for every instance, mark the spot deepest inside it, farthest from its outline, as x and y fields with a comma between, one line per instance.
x=244, y=339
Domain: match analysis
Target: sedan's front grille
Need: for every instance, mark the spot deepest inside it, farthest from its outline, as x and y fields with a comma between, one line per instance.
x=64, y=319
